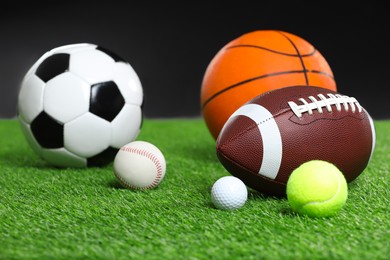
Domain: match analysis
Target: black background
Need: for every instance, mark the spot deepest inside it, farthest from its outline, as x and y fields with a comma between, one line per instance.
x=170, y=45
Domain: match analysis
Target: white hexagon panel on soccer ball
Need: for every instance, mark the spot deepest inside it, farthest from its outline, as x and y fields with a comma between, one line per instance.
x=128, y=83
x=73, y=48
x=92, y=65
x=66, y=97
x=30, y=100
x=87, y=135
x=126, y=126
x=62, y=158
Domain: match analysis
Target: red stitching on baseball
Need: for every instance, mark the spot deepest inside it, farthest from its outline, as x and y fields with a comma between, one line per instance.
x=153, y=158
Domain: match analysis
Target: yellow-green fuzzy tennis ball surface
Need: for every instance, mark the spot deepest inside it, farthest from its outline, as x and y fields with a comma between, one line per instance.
x=317, y=189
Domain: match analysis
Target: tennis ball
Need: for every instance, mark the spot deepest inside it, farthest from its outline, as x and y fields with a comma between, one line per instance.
x=317, y=188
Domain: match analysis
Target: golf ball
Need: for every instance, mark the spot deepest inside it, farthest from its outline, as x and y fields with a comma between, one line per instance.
x=229, y=193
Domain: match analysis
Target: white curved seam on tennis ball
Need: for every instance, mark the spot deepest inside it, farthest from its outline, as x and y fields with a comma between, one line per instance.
x=337, y=192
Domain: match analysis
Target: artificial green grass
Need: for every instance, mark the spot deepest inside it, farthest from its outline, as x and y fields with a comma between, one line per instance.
x=49, y=213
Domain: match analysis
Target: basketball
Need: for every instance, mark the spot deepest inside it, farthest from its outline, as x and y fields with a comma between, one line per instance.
x=254, y=63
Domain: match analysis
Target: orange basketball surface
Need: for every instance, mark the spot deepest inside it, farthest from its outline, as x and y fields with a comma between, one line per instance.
x=255, y=63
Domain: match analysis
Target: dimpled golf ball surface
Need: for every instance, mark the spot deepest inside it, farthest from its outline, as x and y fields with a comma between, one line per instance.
x=229, y=193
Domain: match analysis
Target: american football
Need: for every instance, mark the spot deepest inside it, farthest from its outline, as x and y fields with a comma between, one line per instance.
x=272, y=134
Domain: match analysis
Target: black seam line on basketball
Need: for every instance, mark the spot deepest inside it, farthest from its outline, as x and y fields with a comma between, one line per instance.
x=299, y=55
x=260, y=77
x=273, y=51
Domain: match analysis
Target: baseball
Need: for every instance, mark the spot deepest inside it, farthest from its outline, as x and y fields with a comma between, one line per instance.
x=139, y=165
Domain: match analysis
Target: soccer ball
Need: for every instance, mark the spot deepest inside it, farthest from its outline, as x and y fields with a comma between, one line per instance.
x=78, y=104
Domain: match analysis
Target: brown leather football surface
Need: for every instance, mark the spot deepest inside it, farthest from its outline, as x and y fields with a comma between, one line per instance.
x=274, y=133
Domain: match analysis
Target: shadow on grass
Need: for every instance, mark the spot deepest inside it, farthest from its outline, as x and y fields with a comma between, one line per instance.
x=114, y=184
x=288, y=212
x=256, y=195
x=280, y=206
x=284, y=210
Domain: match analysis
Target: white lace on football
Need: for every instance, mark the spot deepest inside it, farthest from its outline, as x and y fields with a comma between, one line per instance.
x=322, y=102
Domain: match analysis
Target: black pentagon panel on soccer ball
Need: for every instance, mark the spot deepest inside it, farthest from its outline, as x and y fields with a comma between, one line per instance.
x=103, y=158
x=106, y=100
x=48, y=132
x=111, y=54
x=53, y=66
